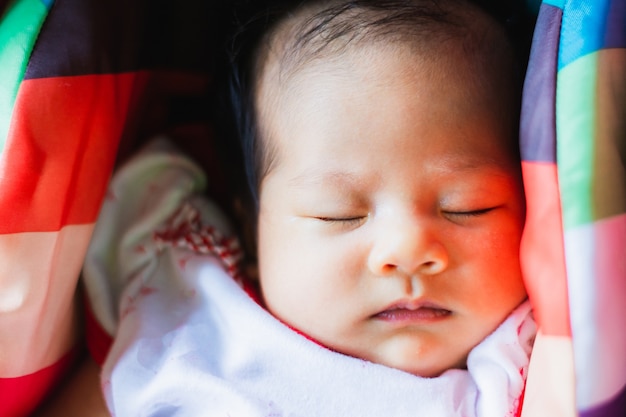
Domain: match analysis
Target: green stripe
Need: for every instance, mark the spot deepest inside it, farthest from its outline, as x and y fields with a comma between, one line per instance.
x=19, y=28
x=575, y=123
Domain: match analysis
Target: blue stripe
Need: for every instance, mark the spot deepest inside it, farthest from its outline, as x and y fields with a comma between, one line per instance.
x=538, y=123
x=590, y=25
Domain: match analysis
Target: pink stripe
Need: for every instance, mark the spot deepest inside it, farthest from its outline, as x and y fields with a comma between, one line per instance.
x=542, y=254
x=38, y=316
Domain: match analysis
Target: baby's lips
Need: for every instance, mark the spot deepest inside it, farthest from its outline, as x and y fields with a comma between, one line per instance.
x=413, y=310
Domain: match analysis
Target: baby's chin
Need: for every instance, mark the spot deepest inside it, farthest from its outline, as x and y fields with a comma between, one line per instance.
x=423, y=355
x=426, y=370
x=429, y=364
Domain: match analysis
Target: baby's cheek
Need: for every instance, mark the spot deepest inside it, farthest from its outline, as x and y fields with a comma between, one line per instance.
x=287, y=283
x=491, y=263
x=501, y=241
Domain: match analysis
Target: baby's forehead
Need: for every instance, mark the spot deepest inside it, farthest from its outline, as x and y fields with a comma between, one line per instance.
x=462, y=42
x=376, y=80
x=326, y=31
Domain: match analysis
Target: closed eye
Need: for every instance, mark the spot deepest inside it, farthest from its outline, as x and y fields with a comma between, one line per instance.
x=344, y=221
x=469, y=213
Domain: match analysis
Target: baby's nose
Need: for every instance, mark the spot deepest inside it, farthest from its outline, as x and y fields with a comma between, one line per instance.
x=409, y=245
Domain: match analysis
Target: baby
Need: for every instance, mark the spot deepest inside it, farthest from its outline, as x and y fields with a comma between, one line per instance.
x=389, y=188
x=381, y=147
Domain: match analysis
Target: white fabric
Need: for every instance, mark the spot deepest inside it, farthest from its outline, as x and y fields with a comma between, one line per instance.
x=190, y=342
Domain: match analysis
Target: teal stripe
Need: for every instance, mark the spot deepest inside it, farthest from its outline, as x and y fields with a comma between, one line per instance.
x=556, y=3
x=575, y=125
x=19, y=28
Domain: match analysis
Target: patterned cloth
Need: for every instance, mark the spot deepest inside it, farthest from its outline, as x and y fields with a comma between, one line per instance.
x=573, y=141
x=185, y=230
x=189, y=341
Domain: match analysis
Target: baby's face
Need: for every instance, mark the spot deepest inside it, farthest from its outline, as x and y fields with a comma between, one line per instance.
x=389, y=226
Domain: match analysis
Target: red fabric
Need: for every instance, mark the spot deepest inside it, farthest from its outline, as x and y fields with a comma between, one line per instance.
x=60, y=152
x=520, y=404
x=20, y=396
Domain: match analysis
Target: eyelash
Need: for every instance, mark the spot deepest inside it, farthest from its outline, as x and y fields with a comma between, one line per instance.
x=471, y=213
x=355, y=221
x=347, y=221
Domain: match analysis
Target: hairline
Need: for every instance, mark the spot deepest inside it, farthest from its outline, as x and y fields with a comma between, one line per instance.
x=293, y=47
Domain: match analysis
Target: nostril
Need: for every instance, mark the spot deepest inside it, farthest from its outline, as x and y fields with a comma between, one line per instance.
x=388, y=269
x=433, y=267
x=408, y=253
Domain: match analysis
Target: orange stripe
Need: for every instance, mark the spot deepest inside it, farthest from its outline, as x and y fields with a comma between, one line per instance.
x=61, y=149
x=542, y=254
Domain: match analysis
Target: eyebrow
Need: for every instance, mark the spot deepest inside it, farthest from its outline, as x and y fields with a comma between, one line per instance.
x=320, y=177
x=472, y=164
x=346, y=179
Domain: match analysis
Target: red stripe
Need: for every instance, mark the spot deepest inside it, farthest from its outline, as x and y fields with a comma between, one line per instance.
x=61, y=148
x=542, y=253
x=520, y=403
x=20, y=396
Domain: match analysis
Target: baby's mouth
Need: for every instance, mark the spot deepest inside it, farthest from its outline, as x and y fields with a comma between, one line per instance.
x=413, y=312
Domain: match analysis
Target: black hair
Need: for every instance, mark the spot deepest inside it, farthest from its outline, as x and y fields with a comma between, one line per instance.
x=252, y=24
x=326, y=30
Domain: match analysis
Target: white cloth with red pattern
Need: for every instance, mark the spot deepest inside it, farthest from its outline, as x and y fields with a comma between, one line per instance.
x=189, y=341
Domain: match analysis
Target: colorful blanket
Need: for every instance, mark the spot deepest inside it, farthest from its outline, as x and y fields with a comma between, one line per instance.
x=60, y=123
x=73, y=82
x=573, y=141
x=74, y=72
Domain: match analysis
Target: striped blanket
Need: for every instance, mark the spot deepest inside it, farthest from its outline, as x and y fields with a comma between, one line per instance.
x=74, y=75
